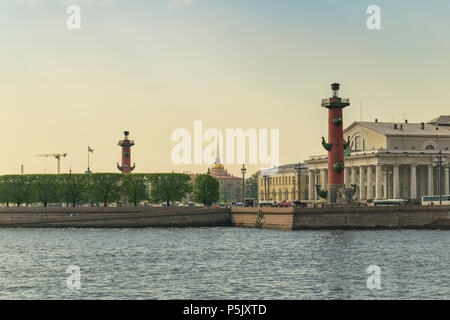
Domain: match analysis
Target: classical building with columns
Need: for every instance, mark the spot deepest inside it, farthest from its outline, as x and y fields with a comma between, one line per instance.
x=281, y=183
x=391, y=160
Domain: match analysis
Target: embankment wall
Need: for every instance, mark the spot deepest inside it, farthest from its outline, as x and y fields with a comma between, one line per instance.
x=122, y=217
x=410, y=217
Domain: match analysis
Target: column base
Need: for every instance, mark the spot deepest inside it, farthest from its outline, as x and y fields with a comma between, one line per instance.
x=336, y=193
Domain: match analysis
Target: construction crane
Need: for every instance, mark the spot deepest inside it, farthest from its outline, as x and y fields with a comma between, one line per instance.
x=55, y=155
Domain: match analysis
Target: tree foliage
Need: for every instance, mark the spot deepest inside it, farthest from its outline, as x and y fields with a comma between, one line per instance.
x=73, y=188
x=206, y=189
x=251, y=187
x=105, y=187
x=92, y=188
x=135, y=187
x=168, y=187
x=45, y=187
x=224, y=194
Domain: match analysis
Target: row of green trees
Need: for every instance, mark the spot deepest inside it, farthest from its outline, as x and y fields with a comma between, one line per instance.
x=106, y=188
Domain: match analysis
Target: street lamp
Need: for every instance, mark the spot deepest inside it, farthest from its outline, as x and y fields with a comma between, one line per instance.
x=243, y=170
x=437, y=162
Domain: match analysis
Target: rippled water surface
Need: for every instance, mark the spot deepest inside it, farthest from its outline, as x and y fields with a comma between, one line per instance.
x=223, y=263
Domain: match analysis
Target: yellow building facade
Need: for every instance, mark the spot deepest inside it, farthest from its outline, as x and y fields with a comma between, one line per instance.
x=281, y=184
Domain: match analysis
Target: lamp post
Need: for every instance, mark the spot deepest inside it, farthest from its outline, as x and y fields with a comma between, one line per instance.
x=437, y=162
x=243, y=170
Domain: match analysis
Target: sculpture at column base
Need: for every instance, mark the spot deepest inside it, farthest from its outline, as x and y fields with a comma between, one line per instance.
x=340, y=195
x=335, y=192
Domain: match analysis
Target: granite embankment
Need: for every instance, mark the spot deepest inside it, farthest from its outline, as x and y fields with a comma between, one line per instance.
x=410, y=217
x=122, y=217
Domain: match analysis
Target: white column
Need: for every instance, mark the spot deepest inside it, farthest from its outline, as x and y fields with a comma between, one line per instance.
x=396, y=182
x=311, y=192
x=353, y=176
x=385, y=184
x=390, y=187
x=362, y=183
x=324, y=179
x=378, y=185
x=430, y=180
x=446, y=180
x=369, y=182
x=346, y=176
x=413, y=182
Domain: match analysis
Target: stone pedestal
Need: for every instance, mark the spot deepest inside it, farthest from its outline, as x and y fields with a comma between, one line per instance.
x=335, y=192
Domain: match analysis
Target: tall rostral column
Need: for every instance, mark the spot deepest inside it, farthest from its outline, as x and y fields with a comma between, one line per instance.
x=126, y=145
x=336, y=144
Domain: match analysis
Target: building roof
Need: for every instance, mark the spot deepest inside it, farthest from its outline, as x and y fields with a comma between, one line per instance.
x=441, y=121
x=284, y=169
x=226, y=177
x=388, y=129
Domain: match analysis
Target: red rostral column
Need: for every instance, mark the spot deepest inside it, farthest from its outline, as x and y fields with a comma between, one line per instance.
x=126, y=145
x=336, y=144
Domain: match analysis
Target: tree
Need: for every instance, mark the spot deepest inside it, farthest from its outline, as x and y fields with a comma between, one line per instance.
x=224, y=194
x=206, y=189
x=168, y=187
x=74, y=187
x=104, y=187
x=45, y=187
x=251, y=187
x=135, y=187
x=6, y=194
x=17, y=189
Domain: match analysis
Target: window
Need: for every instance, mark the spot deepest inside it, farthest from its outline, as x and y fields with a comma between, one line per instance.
x=429, y=147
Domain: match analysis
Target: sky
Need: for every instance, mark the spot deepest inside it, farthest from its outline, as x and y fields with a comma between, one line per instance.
x=155, y=66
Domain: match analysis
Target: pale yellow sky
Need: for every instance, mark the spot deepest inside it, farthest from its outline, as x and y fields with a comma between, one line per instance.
x=152, y=69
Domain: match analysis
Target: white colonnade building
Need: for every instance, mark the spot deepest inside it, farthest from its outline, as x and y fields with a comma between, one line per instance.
x=391, y=160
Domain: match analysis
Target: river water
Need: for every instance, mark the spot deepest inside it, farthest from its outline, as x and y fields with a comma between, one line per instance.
x=222, y=263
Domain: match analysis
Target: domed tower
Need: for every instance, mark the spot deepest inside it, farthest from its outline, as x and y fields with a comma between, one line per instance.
x=336, y=144
x=218, y=168
x=126, y=145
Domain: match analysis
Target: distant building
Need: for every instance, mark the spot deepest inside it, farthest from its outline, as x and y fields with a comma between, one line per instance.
x=230, y=186
x=391, y=160
x=281, y=183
